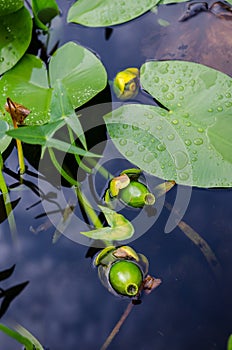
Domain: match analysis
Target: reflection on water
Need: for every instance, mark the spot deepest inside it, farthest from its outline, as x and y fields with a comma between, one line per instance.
x=64, y=304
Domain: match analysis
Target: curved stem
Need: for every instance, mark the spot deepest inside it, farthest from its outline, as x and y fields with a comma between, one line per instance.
x=82, y=199
x=88, y=208
x=117, y=327
x=78, y=159
x=59, y=168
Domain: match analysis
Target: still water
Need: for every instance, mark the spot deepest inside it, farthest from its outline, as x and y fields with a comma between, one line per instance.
x=64, y=305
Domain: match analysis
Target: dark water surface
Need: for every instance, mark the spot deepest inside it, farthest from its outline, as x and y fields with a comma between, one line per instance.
x=64, y=305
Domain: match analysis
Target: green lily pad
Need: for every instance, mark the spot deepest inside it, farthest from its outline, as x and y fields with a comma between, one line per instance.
x=9, y=6
x=44, y=11
x=80, y=71
x=101, y=13
x=4, y=139
x=27, y=84
x=16, y=31
x=188, y=141
x=119, y=227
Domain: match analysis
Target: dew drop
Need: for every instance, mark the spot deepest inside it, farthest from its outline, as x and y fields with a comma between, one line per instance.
x=180, y=88
x=141, y=148
x=188, y=142
x=200, y=130
x=210, y=110
x=219, y=109
x=170, y=96
x=183, y=176
x=129, y=153
x=198, y=141
x=125, y=126
x=165, y=88
x=156, y=80
x=175, y=121
x=171, y=137
x=228, y=95
x=178, y=81
x=161, y=147
x=188, y=124
x=148, y=158
x=1, y=59
x=123, y=142
x=181, y=159
x=192, y=82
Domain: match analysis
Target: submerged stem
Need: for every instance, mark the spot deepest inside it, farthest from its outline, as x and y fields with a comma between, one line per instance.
x=117, y=327
x=200, y=243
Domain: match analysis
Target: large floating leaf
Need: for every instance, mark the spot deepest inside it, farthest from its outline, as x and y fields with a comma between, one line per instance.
x=16, y=31
x=101, y=13
x=44, y=11
x=4, y=139
x=119, y=227
x=27, y=84
x=9, y=6
x=80, y=71
x=190, y=142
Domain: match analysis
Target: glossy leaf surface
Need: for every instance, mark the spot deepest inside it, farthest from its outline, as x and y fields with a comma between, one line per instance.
x=16, y=31
x=9, y=6
x=101, y=13
x=80, y=71
x=189, y=140
x=4, y=139
x=44, y=11
x=119, y=227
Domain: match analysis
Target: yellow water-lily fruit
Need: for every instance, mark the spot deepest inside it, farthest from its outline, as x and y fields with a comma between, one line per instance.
x=126, y=83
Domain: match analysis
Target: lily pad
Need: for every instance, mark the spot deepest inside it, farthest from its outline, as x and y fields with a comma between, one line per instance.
x=44, y=11
x=119, y=227
x=4, y=139
x=102, y=13
x=80, y=71
x=16, y=31
x=189, y=140
x=10, y=6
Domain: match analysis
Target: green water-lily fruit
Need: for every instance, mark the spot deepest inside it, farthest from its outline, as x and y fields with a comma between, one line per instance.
x=121, y=270
x=126, y=277
x=136, y=195
x=126, y=83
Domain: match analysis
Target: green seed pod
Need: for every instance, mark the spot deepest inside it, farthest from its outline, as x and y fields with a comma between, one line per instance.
x=121, y=270
x=137, y=195
x=125, y=277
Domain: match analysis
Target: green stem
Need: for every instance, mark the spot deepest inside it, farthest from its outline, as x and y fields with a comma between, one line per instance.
x=59, y=168
x=78, y=159
x=20, y=157
x=3, y=186
x=7, y=203
x=105, y=173
x=88, y=208
x=82, y=199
